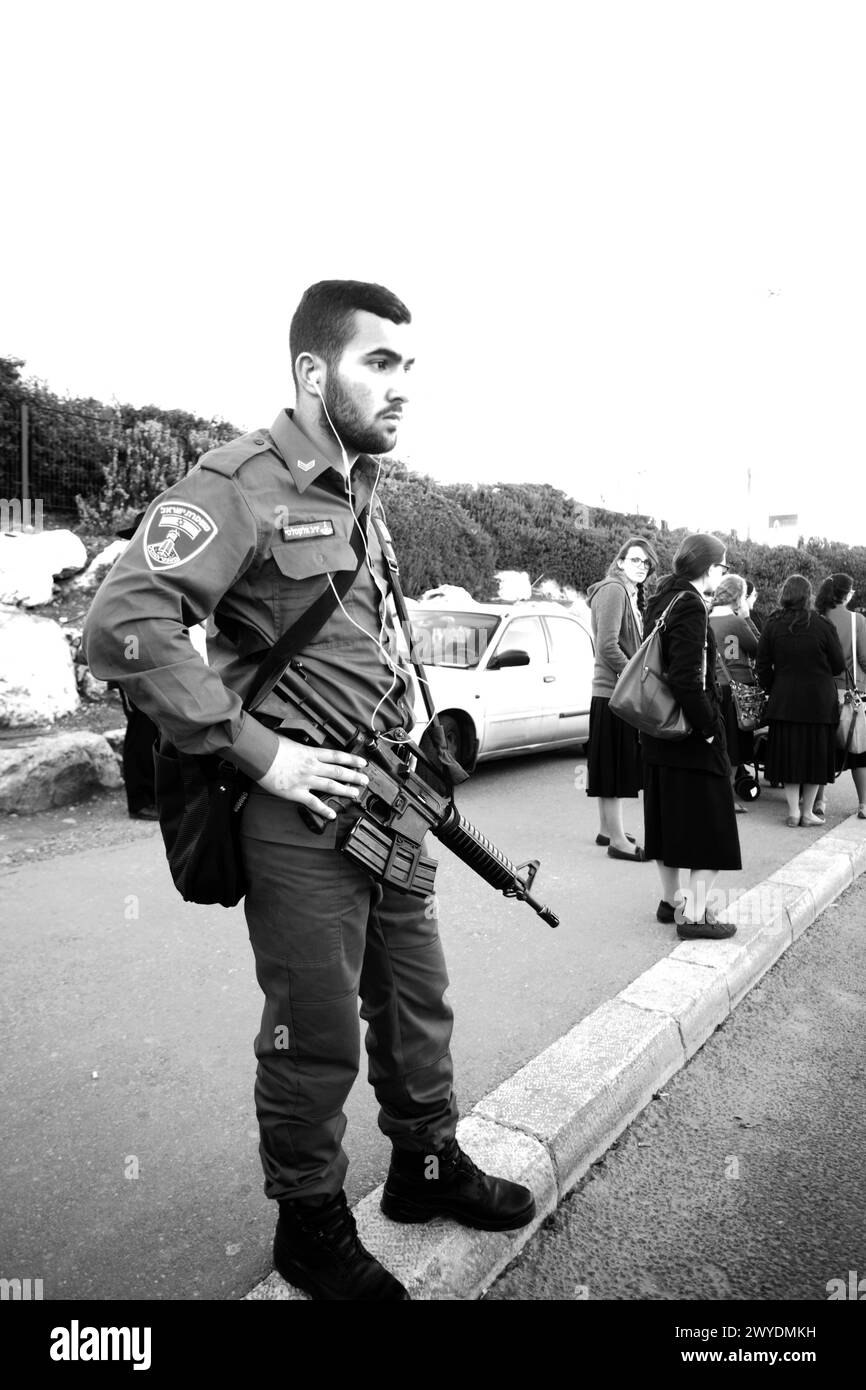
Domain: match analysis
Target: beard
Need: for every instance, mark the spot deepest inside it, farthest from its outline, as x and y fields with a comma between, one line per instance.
x=358, y=435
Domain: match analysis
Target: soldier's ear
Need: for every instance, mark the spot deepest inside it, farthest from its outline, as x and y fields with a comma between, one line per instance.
x=310, y=372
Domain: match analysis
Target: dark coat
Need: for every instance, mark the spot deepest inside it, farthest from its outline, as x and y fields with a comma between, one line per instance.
x=797, y=668
x=682, y=649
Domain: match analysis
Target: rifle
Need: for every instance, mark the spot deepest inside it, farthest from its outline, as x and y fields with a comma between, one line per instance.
x=397, y=808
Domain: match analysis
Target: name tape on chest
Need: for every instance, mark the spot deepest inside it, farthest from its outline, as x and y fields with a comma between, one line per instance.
x=305, y=530
x=176, y=533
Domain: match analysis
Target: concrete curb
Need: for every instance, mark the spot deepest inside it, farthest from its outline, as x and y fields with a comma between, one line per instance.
x=549, y=1122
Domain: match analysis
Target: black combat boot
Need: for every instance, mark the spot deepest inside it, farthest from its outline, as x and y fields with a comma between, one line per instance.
x=316, y=1248
x=446, y=1182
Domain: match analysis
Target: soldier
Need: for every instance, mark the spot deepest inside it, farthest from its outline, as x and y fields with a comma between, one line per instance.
x=254, y=534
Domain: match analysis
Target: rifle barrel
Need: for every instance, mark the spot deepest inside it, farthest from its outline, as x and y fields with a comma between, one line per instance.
x=468, y=843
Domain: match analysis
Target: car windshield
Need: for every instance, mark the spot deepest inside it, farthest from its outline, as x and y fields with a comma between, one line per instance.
x=445, y=638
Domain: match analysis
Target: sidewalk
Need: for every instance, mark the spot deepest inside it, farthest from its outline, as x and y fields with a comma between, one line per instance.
x=741, y=1188
x=558, y=1115
x=130, y=1017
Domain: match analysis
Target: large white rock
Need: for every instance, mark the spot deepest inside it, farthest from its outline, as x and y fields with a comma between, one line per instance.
x=39, y=773
x=513, y=585
x=30, y=560
x=37, y=679
x=23, y=576
x=62, y=552
x=99, y=566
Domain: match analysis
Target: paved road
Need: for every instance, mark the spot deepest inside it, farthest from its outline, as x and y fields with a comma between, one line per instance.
x=108, y=972
x=744, y=1179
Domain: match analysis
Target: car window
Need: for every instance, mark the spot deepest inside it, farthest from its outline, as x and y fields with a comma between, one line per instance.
x=525, y=635
x=568, y=640
x=445, y=638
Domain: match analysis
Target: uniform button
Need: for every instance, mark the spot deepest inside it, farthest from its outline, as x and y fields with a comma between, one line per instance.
x=258, y=441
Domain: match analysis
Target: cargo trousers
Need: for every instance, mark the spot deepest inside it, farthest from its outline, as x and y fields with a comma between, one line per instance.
x=325, y=933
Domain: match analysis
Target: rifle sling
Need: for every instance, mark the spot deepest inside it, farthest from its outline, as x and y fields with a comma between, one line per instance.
x=448, y=768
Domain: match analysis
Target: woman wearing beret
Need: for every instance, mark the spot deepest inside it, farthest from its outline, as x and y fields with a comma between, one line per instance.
x=689, y=822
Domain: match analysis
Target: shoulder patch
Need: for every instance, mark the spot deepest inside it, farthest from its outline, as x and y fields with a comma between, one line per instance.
x=228, y=458
x=176, y=532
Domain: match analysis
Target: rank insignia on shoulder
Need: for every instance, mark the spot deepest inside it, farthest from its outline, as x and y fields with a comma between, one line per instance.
x=305, y=467
x=304, y=530
x=176, y=533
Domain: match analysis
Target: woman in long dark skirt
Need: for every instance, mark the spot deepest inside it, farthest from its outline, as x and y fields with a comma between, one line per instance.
x=799, y=655
x=613, y=762
x=689, y=821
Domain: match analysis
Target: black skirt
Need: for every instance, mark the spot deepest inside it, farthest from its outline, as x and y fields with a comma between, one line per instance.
x=613, y=760
x=689, y=819
x=800, y=752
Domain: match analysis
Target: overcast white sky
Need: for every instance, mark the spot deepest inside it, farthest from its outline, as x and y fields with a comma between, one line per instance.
x=631, y=234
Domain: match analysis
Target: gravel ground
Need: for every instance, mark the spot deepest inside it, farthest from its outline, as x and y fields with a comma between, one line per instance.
x=90, y=824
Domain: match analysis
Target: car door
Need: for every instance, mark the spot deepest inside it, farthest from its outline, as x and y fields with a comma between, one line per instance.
x=572, y=660
x=515, y=698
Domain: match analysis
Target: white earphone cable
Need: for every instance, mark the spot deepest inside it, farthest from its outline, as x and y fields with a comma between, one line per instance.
x=397, y=668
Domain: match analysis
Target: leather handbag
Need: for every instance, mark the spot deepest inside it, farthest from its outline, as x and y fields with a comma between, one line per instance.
x=750, y=701
x=642, y=696
x=851, y=729
x=200, y=797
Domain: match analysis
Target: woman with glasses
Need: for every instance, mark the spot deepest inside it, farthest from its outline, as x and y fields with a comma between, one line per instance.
x=798, y=656
x=833, y=603
x=689, y=822
x=614, y=768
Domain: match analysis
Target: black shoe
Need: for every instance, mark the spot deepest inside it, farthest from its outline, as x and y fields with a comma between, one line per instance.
x=145, y=813
x=666, y=912
x=605, y=839
x=709, y=928
x=636, y=855
x=316, y=1248
x=447, y=1183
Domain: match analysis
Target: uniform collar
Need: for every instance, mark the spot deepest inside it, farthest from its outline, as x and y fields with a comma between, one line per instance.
x=304, y=460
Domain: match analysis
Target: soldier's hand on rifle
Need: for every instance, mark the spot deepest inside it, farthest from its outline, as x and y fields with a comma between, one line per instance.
x=298, y=772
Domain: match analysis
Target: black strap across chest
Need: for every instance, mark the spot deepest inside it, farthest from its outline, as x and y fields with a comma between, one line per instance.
x=301, y=633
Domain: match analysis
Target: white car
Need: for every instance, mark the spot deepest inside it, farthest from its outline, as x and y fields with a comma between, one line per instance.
x=505, y=678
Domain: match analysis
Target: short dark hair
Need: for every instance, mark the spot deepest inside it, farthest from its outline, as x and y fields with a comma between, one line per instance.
x=322, y=322
x=833, y=590
x=695, y=554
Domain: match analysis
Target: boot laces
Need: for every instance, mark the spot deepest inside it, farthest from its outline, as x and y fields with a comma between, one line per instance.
x=456, y=1160
x=335, y=1226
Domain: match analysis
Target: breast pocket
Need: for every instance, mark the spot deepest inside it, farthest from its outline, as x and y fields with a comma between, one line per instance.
x=301, y=570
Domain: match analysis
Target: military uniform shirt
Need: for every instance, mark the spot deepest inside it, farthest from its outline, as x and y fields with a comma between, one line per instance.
x=250, y=535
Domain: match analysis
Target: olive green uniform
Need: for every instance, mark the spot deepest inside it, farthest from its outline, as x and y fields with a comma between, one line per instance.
x=250, y=536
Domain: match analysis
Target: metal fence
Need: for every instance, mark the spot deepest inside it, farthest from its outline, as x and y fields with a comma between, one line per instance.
x=51, y=453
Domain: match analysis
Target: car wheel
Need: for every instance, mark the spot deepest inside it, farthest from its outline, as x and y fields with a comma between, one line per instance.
x=453, y=736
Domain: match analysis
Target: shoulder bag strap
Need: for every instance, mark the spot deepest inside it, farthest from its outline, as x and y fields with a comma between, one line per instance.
x=720, y=658
x=306, y=627
x=660, y=623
